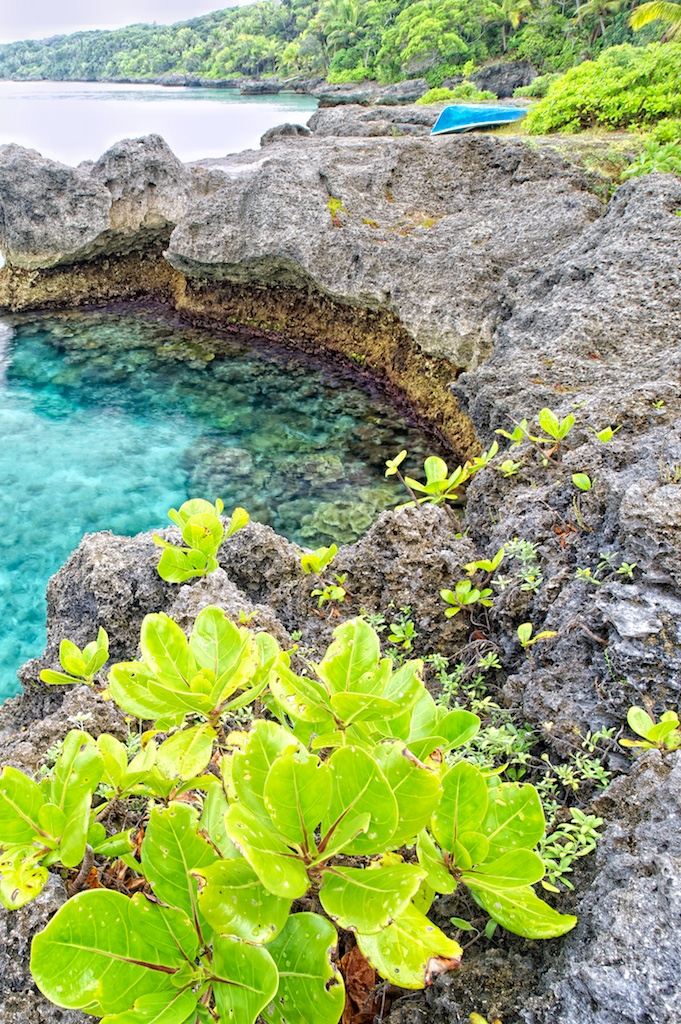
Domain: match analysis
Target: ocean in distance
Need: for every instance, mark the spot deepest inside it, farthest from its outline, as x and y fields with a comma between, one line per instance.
x=75, y=121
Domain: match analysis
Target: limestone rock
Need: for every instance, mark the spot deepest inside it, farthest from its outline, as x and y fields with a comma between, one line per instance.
x=52, y=214
x=505, y=77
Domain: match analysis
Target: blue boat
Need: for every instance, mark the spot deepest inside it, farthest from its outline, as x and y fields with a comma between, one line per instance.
x=461, y=117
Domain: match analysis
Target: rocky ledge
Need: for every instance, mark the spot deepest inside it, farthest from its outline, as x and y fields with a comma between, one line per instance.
x=486, y=279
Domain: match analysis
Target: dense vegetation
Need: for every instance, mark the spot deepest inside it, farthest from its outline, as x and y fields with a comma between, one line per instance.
x=342, y=39
x=626, y=86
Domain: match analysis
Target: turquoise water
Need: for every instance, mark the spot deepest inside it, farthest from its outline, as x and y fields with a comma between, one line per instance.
x=74, y=121
x=110, y=418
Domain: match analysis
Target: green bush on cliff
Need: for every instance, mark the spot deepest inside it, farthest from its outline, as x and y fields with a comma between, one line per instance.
x=626, y=86
x=463, y=91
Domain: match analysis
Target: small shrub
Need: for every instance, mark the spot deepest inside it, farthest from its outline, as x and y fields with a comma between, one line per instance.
x=463, y=91
x=538, y=88
x=664, y=157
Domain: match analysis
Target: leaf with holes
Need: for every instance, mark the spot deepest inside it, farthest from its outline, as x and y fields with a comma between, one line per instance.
x=410, y=951
x=245, y=979
x=415, y=787
x=359, y=787
x=268, y=854
x=310, y=988
x=296, y=794
x=368, y=899
x=463, y=805
x=235, y=902
x=171, y=849
x=101, y=951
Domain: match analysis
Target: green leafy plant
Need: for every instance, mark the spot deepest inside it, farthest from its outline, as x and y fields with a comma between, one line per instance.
x=331, y=591
x=660, y=157
x=79, y=666
x=568, y=841
x=403, y=631
x=464, y=596
x=203, y=533
x=527, y=573
x=526, y=639
x=462, y=91
x=441, y=486
x=317, y=561
x=581, y=481
x=607, y=569
x=486, y=565
x=319, y=799
x=51, y=822
x=663, y=735
x=547, y=444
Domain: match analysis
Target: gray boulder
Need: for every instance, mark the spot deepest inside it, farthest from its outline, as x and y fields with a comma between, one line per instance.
x=130, y=199
x=505, y=77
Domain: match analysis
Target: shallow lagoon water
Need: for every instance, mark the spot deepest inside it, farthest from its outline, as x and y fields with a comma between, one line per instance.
x=110, y=418
x=74, y=121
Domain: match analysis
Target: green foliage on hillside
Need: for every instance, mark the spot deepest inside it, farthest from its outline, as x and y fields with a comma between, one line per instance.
x=343, y=39
x=626, y=86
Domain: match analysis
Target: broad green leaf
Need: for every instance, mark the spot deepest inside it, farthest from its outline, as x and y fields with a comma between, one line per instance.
x=204, y=533
x=171, y=1007
x=359, y=786
x=251, y=766
x=296, y=795
x=75, y=777
x=430, y=859
x=470, y=848
x=311, y=989
x=273, y=861
x=22, y=876
x=458, y=727
x=71, y=659
x=549, y=423
x=355, y=651
x=411, y=951
x=96, y=653
x=416, y=789
x=463, y=804
x=511, y=871
x=129, y=687
x=361, y=707
x=639, y=721
x=114, y=759
x=514, y=819
x=20, y=803
x=300, y=697
x=245, y=979
x=194, y=507
x=213, y=821
x=171, y=849
x=186, y=754
x=102, y=950
x=166, y=651
x=436, y=469
x=227, y=651
x=56, y=678
x=177, y=565
x=366, y=900
x=117, y=845
x=53, y=820
x=522, y=912
x=238, y=519
x=235, y=902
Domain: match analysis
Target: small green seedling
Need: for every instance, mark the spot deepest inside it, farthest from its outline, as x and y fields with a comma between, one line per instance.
x=509, y=468
x=464, y=596
x=316, y=562
x=527, y=640
x=203, y=533
x=664, y=735
x=486, y=564
x=79, y=666
x=582, y=481
x=402, y=634
x=607, y=433
x=477, y=1018
x=441, y=486
x=332, y=591
x=557, y=429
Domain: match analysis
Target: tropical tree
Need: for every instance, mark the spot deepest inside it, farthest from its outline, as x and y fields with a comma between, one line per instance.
x=658, y=10
x=511, y=13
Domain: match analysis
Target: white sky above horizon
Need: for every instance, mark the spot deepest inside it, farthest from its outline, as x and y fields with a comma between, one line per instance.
x=39, y=19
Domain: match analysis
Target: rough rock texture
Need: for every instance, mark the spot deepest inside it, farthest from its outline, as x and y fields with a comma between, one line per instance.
x=282, y=131
x=504, y=78
x=128, y=200
x=418, y=220
x=20, y=1000
x=366, y=93
x=594, y=330
x=621, y=964
x=358, y=121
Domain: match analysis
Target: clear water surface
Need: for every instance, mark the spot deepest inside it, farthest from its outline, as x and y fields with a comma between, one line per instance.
x=74, y=121
x=110, y=418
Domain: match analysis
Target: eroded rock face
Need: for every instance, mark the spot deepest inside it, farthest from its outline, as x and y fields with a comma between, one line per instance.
x=425, y=229
x=51, y=214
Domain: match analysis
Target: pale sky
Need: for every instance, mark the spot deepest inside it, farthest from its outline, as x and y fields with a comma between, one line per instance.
x=37, y=19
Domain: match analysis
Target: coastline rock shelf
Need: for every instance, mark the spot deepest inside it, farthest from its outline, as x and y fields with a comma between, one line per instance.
x=485, y=279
